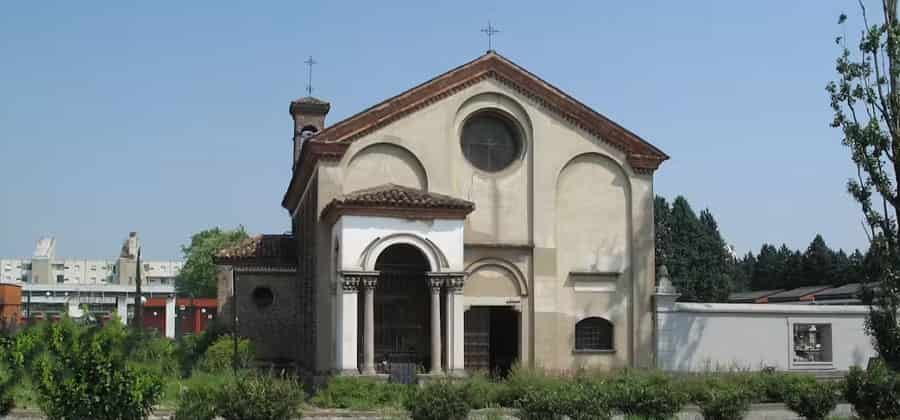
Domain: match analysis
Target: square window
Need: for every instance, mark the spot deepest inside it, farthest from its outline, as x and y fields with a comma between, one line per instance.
x=811, y=344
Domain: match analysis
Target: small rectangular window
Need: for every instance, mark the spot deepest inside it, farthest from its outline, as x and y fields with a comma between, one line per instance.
x=60, y=278
x=812, y=343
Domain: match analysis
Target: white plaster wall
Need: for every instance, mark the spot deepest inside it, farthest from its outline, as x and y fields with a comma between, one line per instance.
x=358, y=232
x=697, y=337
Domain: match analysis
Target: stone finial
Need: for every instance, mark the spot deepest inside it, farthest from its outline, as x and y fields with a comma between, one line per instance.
x=663, y=283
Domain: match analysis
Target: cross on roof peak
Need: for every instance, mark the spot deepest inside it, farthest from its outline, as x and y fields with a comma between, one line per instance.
x=490, y=31
x=309, y=63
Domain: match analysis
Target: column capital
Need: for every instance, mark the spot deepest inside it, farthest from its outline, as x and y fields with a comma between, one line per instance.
x=435, y=284
x=353, y=280
x=453, y=281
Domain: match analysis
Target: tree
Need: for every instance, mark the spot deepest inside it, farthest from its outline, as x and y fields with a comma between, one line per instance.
x=865, y=99
x=198, y=276
x=816, y=263
x=692, y=248
x=767, y=270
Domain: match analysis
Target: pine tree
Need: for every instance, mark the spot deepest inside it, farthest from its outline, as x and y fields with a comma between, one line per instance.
x=816, y=264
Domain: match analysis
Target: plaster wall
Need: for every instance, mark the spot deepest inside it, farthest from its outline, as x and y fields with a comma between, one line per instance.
x=363, y=239
x=571, y=202
x=698, y=337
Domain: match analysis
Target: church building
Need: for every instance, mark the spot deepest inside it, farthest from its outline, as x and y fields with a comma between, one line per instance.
x=480, y=219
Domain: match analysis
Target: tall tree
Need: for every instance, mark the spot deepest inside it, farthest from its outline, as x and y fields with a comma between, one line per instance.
x=767, y=270
x=198, y=276
x=817, y=263
x=697, y=258
x=865, y=99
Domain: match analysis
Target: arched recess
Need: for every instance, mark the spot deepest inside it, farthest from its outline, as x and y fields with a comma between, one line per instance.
x=593, y=197
x=437, y=261
x=494, y=270
x=384, y=163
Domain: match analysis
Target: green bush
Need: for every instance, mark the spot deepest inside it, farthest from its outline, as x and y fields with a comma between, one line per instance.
x=874, y=393
x=720, y=397
x=219, y=357
x=360, y=394
x=190, y=348
x=254, y=396
x=6, y=397
x=770, y=386
x=518, y=382
x=439, y=400
x=197, y=403
x=482, y=392
x=83, y=374
x=651, y=395
x=813, y=401
x=577, y=400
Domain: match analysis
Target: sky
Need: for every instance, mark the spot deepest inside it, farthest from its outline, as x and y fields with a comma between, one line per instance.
x=170, y=117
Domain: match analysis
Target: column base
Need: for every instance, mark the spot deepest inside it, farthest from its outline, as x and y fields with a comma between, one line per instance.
x=348, y=372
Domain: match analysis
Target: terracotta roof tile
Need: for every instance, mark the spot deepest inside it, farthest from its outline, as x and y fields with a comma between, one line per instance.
x=261, y=249
x=397, y=200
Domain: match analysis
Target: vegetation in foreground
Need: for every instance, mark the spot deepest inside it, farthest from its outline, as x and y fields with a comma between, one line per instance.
x=70, y=370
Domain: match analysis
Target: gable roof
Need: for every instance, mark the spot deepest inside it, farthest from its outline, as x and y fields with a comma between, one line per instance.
x=399, y=201
x=333, y=141
x=278, y=250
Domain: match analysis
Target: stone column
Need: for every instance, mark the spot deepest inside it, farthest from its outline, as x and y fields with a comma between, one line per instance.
x=170, y=317
x=122, y=308
x=456, y=311
x=435, y=284
x=369, y=283
x=348, y=347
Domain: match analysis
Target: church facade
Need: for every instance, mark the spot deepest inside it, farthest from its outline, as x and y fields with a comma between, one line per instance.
x=481, y=219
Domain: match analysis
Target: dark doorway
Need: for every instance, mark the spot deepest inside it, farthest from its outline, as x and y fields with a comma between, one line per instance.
x=491, y=339
x=402, y=311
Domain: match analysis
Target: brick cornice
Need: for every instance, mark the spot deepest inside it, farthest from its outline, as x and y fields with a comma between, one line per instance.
x=642, y=156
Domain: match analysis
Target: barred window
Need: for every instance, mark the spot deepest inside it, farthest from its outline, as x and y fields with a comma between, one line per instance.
x=594, y=334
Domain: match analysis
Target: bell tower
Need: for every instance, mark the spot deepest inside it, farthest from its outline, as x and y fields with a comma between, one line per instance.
x=309, y=118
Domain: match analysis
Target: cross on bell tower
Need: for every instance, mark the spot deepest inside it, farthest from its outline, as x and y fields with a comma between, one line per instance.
x=309, y=63
x=490, y=31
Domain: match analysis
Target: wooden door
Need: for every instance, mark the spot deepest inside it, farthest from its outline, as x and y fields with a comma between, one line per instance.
x=477, y=340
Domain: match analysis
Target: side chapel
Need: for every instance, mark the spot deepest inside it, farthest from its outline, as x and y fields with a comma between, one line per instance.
x=480, y=219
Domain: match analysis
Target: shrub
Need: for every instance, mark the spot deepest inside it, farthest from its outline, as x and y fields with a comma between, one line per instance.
x=519, y=381
x=6, y=398
x=813, y=401
x=197, y=403
x=88, y=381
x=219, y=357
x=439, y=400
x=651, y=395
x=482, y=392
x=254, y=396
x=360, y=394
x=770, y=386
x=720, y=397
x=579, y=400
x=874, y=393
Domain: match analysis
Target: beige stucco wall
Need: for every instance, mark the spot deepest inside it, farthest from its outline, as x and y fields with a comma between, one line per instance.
x=570, y=203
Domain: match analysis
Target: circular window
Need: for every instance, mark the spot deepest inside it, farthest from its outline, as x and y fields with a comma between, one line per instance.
x=262, y=297
x=490, y=142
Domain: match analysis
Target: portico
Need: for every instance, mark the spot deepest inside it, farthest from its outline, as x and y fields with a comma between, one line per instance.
x=398, y=280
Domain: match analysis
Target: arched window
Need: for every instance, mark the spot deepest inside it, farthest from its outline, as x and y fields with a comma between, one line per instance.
x=593, y=334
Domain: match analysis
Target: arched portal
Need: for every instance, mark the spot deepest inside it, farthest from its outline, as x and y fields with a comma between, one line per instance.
x=402, y=309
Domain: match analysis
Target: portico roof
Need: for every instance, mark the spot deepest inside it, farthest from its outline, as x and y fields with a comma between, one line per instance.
x=398, y=201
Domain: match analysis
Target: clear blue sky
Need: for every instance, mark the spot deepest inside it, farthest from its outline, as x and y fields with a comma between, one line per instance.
x=170, y=117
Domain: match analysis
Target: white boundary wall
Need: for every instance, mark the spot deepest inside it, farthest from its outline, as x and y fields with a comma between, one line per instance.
x=709, y=336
